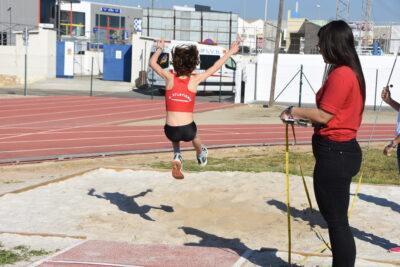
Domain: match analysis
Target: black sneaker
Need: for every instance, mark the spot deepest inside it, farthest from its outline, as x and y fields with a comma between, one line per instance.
x=177, y=164
x=202, y=158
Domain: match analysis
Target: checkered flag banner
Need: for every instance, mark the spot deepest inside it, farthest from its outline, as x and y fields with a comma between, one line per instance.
x=137, y=25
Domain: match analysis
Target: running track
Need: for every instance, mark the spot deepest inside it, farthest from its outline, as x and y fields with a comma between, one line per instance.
x=35, y=129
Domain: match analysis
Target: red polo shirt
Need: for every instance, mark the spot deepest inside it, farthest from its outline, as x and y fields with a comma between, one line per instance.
x=341, y=96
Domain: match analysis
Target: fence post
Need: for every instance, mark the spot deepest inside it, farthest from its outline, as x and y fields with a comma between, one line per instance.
x=376, y=87
x=255, y=81
x=301, y=84
x=91, y=79
x=220, y=85
x=26, y=43
x=152, y=85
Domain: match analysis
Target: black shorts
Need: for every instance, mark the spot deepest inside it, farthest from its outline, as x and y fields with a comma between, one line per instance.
x=184, y=133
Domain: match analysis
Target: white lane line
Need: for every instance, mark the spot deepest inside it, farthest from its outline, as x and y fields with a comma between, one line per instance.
x=83, y=117
x=92, y=263
x=138, y=136
x=237, y=141
x=79, y=126
x=44, y=112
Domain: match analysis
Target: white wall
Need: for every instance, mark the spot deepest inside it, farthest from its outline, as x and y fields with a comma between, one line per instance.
x=41, y=57
x=83, y=63
x=313, y=68
x=395, y=36
x=141, y=50
x=9, y=61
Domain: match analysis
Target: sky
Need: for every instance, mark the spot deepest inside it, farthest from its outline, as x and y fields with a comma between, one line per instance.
x=382, y=10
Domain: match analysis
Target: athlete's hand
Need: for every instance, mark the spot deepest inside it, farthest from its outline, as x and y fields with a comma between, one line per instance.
x=386, y=95
x=389, y=147
x=160, y=44
x=235, y=46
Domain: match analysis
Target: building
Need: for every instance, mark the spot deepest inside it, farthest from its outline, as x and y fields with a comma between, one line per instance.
x=394, y=39
x=382, y=35
x=301, y=35
x=98, y=22
x=198, y=24
x=16, y=15
x=253, y=32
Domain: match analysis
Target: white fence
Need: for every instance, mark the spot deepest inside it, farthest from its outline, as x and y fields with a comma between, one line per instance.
x=258, y=75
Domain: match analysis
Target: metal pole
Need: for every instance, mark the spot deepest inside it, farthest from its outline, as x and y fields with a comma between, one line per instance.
x=220, y=85
x=148, y=21
x=376, y=87
x=119, y=37
x=276, y=53
x=26, y=74
x=58, y=20
x=286, y=86
x=26, y=62
x=255, y=81
x=174, y=32
x=265, y=26
x=266, y=10
x=10, y=9
x=230, y=29
x=152, y=84
x=91, y=79
x=70, y=20
x=301, y=84
x=201, y=27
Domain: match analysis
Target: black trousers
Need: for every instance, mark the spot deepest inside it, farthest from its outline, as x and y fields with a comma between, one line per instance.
x=398, y=157
x=336, y=164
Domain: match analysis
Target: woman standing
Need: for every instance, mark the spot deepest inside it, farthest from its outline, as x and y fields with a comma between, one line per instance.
x=337, y=118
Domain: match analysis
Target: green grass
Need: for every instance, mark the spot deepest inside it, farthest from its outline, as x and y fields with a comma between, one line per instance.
x=378, y=169
x=19, y=253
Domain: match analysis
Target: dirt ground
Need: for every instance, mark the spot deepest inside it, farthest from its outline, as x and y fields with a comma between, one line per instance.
x=243, y=209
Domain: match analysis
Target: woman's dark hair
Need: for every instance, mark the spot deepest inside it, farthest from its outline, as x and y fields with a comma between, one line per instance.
x=336, y=44
x=185, y=58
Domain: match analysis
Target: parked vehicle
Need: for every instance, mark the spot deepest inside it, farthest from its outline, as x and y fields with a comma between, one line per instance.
x=223, y=80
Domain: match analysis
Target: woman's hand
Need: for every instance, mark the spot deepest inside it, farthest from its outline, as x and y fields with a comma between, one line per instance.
x=386, y=95
x=286, y=115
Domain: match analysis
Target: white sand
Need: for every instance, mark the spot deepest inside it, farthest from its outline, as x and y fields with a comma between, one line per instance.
x=235, y=210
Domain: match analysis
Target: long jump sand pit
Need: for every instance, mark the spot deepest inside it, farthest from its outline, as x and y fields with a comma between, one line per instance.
x=242, y=212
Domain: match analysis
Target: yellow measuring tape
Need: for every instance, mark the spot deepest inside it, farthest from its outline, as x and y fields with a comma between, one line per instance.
x=288, y=195
x=326, y=244
x=287, y=153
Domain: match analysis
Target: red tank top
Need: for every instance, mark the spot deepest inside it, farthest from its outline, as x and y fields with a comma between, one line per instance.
x=180, y=98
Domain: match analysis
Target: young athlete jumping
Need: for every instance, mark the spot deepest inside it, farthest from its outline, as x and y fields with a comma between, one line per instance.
x=180, y=95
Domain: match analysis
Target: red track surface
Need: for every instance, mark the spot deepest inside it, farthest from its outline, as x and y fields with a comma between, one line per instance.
x=102, y=254
x=34, y=129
